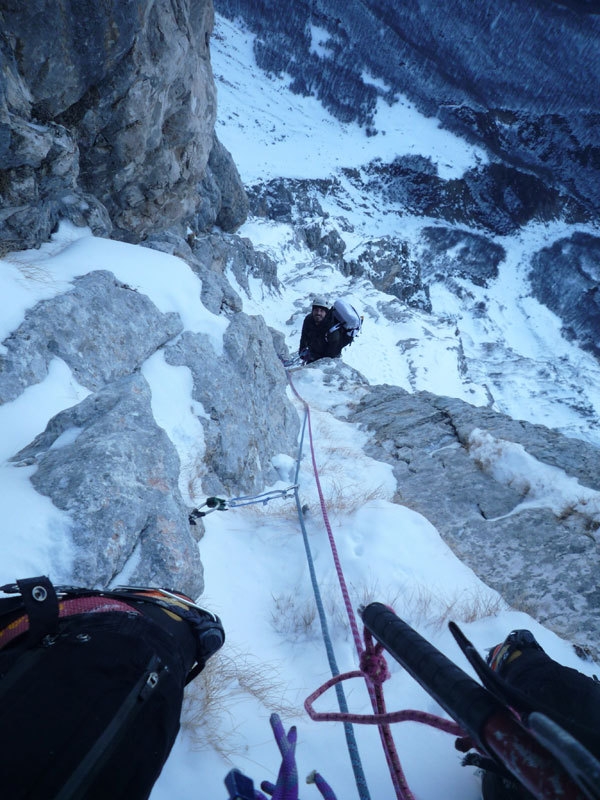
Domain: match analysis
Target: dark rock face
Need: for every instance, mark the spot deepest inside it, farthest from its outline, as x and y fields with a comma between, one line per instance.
x=390, y=266
x=231, y=206
x=496, y=198
x=47, y=44
x=289, y=200
x=565, y=277
x=450, y=252
x=114, y=126
x=562, y=149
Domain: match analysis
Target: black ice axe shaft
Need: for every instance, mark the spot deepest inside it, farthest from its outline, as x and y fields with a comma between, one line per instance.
x=484, y=718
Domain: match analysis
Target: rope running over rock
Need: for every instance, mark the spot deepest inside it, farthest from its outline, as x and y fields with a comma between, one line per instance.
x=373, y=667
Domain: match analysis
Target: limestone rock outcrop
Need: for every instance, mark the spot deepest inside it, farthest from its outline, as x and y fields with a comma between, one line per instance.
x=540, y=559
x=105, y=461
x=107, y=118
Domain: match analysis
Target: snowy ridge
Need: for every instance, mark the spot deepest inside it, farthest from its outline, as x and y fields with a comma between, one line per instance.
x=256, y=575
x=493, y=346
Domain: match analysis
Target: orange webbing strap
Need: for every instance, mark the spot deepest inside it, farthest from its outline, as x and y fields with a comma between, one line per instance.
x=66, y=608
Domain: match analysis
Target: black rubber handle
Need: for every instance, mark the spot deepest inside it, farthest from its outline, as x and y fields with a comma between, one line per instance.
x=457, y=693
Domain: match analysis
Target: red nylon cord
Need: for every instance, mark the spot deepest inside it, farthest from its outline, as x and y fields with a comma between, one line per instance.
x=374, y=688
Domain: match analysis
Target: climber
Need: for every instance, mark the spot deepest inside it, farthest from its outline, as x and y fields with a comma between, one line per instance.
x=568, y=697
x=317, y=339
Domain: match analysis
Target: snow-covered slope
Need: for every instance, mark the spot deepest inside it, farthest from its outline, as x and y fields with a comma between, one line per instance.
x=257, y=578
x=488, y=345
x=494, y=345
x=484, y=345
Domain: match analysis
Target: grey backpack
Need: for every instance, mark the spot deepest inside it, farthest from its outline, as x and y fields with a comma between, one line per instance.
x=346, y=318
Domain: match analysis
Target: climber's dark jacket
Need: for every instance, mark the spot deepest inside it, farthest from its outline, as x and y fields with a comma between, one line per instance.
x=319, y=340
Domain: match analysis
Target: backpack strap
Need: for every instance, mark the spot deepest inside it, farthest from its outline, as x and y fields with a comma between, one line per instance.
x=41, y=606
x=18, y=621
x=38, y=600
x=42, y=610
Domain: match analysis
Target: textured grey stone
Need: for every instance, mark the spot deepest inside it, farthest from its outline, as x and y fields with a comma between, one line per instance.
x=248, y=416
x=114, y=102
x=220, y=252
x=105, y=461
x=540, y=563
x=205, y=256
x=102, y=329
x=116, y=475
x=231, y=207
x=145, y=132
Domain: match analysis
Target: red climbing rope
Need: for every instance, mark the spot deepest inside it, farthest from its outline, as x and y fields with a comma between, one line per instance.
x=375, y=693
x=373, y=666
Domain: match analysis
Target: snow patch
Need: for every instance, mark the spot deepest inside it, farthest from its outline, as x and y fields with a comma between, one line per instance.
x=543, y=485
x=319, y=37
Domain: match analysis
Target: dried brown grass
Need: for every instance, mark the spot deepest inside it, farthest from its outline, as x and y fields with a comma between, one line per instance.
x=31, y=271
x=294, y=615
x=208, y=715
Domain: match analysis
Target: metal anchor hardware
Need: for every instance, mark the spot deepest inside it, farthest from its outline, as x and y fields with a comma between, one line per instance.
x=39, y=593
x=152, y=680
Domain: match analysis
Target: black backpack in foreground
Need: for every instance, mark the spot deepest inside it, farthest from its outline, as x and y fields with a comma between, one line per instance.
x=91, y=687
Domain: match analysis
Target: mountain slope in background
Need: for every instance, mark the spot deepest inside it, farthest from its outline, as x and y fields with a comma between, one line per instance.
x=520, y=78
x=463, y=301
x=434, y=238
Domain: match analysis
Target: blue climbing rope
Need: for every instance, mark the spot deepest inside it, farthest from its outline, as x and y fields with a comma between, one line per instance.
x=359, y=775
